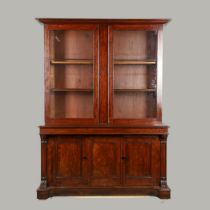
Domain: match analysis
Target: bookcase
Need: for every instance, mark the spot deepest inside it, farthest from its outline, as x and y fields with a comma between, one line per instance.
x=103, y=131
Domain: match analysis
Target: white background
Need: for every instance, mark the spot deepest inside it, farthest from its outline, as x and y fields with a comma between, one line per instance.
x=185, y=98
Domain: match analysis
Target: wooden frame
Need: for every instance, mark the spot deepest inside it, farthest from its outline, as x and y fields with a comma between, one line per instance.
x=124, y=27
x=60, y=121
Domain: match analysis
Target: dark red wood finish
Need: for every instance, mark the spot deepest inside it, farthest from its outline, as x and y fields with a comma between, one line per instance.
x=69, y=164
x=104, y=161
x=103, y=155
x=103, y=78
x=141, y=160
x=63, y=21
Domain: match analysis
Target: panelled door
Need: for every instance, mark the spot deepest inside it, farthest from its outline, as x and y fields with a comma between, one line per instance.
x=141, y=161
x=104, y=161
x=67, y=161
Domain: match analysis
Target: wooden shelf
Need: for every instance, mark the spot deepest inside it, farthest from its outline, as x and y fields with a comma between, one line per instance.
x=134, y=90
x=91, y=90
x=72, y=61
x=71, y=89
x=134, y=62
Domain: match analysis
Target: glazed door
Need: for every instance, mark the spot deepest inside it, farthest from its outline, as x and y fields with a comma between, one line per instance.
x=67, y=161
x=104, y=161
x=141, y=161
x=132, y=74
x=72, y=71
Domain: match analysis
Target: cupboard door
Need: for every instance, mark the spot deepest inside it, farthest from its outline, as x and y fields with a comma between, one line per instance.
x=133, y=77
x=141, y=157
x=72, y=69
x=68, y=161
x=104, y=163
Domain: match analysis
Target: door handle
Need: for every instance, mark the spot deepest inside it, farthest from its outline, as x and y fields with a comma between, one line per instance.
x=84, y=158
x=124, y=158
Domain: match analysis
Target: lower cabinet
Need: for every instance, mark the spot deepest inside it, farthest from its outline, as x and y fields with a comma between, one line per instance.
x=103, y=161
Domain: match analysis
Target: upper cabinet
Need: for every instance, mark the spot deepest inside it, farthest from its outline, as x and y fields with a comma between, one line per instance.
x=103, y=72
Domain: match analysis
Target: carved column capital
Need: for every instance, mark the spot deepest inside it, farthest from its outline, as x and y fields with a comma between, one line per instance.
x=44, y=139
x=163, y=138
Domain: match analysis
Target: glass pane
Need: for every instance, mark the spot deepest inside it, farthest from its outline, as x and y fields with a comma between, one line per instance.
x=72, y=44
x=133, y=105
x=72, y=80
x=69, y=104
x=134, y=74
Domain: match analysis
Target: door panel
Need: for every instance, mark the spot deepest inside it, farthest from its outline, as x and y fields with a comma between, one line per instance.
x=72, y=67
x=69, y=163
x=69, y=160
x=104, y=162
x=133, y=74
x=141, y=160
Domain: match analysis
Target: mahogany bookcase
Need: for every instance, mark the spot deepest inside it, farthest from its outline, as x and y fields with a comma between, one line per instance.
x=103, y=132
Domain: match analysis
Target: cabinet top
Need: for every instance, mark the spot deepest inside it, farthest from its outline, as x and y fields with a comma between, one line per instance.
x=106, y=21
